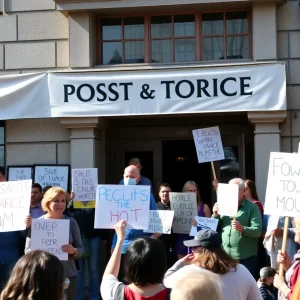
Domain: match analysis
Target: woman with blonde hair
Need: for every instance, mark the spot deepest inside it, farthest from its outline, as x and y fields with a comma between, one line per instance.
x=207, y=253
x=203, y=211
x=54, y=204
x=37, y=275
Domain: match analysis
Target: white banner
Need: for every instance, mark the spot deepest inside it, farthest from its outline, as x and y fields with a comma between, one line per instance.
x=19, y=173
x=122, y=202
x=283, y=187
x=248, y=87
x=50, y=235
x=14, y=204
x=228, y=199
x=160, y=221
x=185, y=209
x=208, y=144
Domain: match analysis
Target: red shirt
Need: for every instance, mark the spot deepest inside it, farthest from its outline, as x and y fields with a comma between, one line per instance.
x=260, y=206
x=130, y=295
x=294, y=278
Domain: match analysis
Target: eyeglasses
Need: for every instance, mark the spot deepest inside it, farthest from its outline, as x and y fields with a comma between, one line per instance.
x=66, y=283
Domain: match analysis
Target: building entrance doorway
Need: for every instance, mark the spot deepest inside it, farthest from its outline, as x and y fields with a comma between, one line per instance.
x=180, y=164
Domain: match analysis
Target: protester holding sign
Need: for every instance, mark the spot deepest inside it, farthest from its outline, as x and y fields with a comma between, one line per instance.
x=203, y=211
x=168, y=240
x=10, y=240
x=286, y=286
x=132, y=177
x=240, y=234
x=54, y=204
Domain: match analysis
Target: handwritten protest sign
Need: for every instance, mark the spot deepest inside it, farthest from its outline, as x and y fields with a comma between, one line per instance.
x=84, y=186
x=50, y=235
x=185, y=208
x=52, y=175
x=283, y=187
x=14, y=204
x=15, y=173
x=204, y=223
x=208, y=144
x=122, y=202
x=160, y=221
x=227, y=198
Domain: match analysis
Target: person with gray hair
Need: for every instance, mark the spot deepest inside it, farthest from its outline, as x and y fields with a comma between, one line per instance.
x=240, y=233
x=195, y=285
x=142, y=179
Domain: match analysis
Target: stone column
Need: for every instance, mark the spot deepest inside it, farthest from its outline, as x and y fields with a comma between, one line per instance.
x=266, y=140
x=87, y=143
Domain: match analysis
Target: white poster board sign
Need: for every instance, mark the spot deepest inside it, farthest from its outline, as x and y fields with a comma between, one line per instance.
x=227, y=198
x=208, y=144
x=84, y=186
x=14, y=204
x=185, y=207
x=122, y=202
x=204, y=223
x=50, y=235
x=52, y=176
x=19, y=173
x=160, y=221
x=283, y=187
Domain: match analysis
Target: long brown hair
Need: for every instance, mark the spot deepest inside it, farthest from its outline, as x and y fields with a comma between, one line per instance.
x=37, y=275
x=252, y=187
x=191, y=182
x=215, y=260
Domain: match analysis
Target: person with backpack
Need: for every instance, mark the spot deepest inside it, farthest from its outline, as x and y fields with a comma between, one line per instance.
x=145, y=266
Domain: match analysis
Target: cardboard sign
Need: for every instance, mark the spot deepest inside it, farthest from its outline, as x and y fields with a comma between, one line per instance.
x=52, y=175
x=15, y=173
x=160, y=221
x=122, y=202
x=208, y=144
x=185, y=208
x=227, y=198
x=283, y=187
x=50, y=235
x=14, y=204
x=204, y=223
x=84, y=186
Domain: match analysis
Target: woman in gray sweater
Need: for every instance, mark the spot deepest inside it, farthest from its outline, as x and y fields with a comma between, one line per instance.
x=54, y=204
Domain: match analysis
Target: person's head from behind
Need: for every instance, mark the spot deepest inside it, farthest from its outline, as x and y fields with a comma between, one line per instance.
x=135, y=162
x=208, y=252
x=241, y=183
x=2, y=174
x=37, y=275
x=197, y=285
x=163, y=192
x=266, y=275
x=131, y=175
x=192, y=187
x=250, y=189
x=145, y=262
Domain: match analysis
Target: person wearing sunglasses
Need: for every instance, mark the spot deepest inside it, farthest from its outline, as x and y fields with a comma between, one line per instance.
x=207, y=253
x=37, y=275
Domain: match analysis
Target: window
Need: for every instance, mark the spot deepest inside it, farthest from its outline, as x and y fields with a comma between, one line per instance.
x=174, y=38
x=2, y=140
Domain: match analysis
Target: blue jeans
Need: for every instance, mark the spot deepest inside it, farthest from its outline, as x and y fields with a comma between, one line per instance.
x=251, y=264
x=93, y=261
x=5, y=270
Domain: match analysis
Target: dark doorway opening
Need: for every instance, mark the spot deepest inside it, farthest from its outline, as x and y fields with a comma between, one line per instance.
x=180, y=164
x=146, y=158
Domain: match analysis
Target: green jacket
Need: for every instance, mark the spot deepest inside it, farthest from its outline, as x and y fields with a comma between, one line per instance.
x=242, y=245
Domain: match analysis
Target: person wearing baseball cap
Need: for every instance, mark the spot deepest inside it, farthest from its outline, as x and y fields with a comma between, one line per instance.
x=207, y=253
x=265, y=283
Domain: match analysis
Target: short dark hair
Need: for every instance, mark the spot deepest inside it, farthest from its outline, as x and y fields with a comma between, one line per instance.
x=46, y=188
x=2, y=171
x=37, y=186
x=36, y=275
x=145, y=261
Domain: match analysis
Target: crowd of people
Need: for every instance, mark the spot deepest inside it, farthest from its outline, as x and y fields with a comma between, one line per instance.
x=239, y=261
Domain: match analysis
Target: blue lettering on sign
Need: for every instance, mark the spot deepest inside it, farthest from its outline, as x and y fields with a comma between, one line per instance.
x=120, y=194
